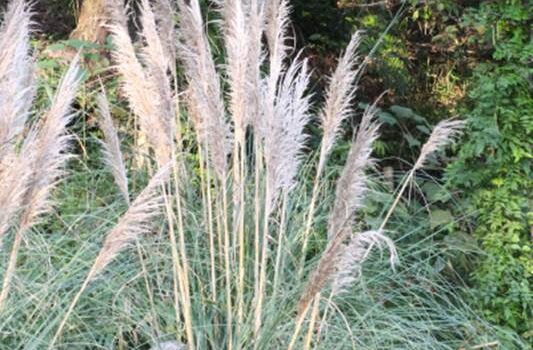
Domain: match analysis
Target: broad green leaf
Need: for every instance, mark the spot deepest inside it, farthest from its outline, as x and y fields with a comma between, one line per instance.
x=440, y=217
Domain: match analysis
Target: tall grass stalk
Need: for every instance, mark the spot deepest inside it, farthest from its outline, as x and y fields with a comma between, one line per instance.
x=337, y=108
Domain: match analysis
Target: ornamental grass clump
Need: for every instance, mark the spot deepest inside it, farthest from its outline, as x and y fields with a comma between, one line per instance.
x=224, y=225
x=31, y=161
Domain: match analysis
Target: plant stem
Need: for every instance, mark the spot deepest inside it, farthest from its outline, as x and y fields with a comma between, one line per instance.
x=397, y=199
x=176, y=266
x=227, y=264
x=280, y=241
x=309, y=223
x=314, y=315
x=257, y=221
x=241, y=214
x=298, y=328
x=149, y=290
x=71, y=308
x=208, y=212
x=325, y=316
x=184, y=280
x=311, y=213
x=262, y=266
x=12, y=263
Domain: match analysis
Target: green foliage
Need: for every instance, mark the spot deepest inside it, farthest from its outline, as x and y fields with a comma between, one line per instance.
x=414, y=48
x=403, y=129
x=324, y=28
x=494, y=168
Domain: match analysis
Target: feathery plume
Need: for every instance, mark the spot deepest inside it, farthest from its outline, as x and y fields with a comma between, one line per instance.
x=14, y=171
x=277, y=23
x=354, y=254
x=142, y=91
x=237, y=40
x=351, y=188
x=16, y=95
x=256, y=58
x=204, y=86
x=111, y=147
x=339, y=97
x=154, y=51
x=157, y=62
x=46, y=146
x=277, y=33
x=165, y=11
x=284, y=136
x=134, y=223
x=243, y=26
x=444, y=133
x=276, y=30
x=16, y=73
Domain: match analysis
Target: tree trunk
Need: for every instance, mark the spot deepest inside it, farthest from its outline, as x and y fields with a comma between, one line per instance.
x=91, y=22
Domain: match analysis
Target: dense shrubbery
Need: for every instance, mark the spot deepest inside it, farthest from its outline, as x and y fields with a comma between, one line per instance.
x=495, y=169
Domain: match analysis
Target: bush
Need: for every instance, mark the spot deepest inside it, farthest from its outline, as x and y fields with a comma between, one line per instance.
x=494, y=169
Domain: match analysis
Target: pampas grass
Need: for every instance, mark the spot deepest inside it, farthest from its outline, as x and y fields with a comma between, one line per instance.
x=351, y=189
x=337, y=108
x=111, y=146
x=353, y=255
x=147, y=87
x=147, y=94
x=14, y=171
x=230, y=258
x=446, y=132
x=206, y=106
x=45, y=149
x=17, y=87
x=16, y=96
